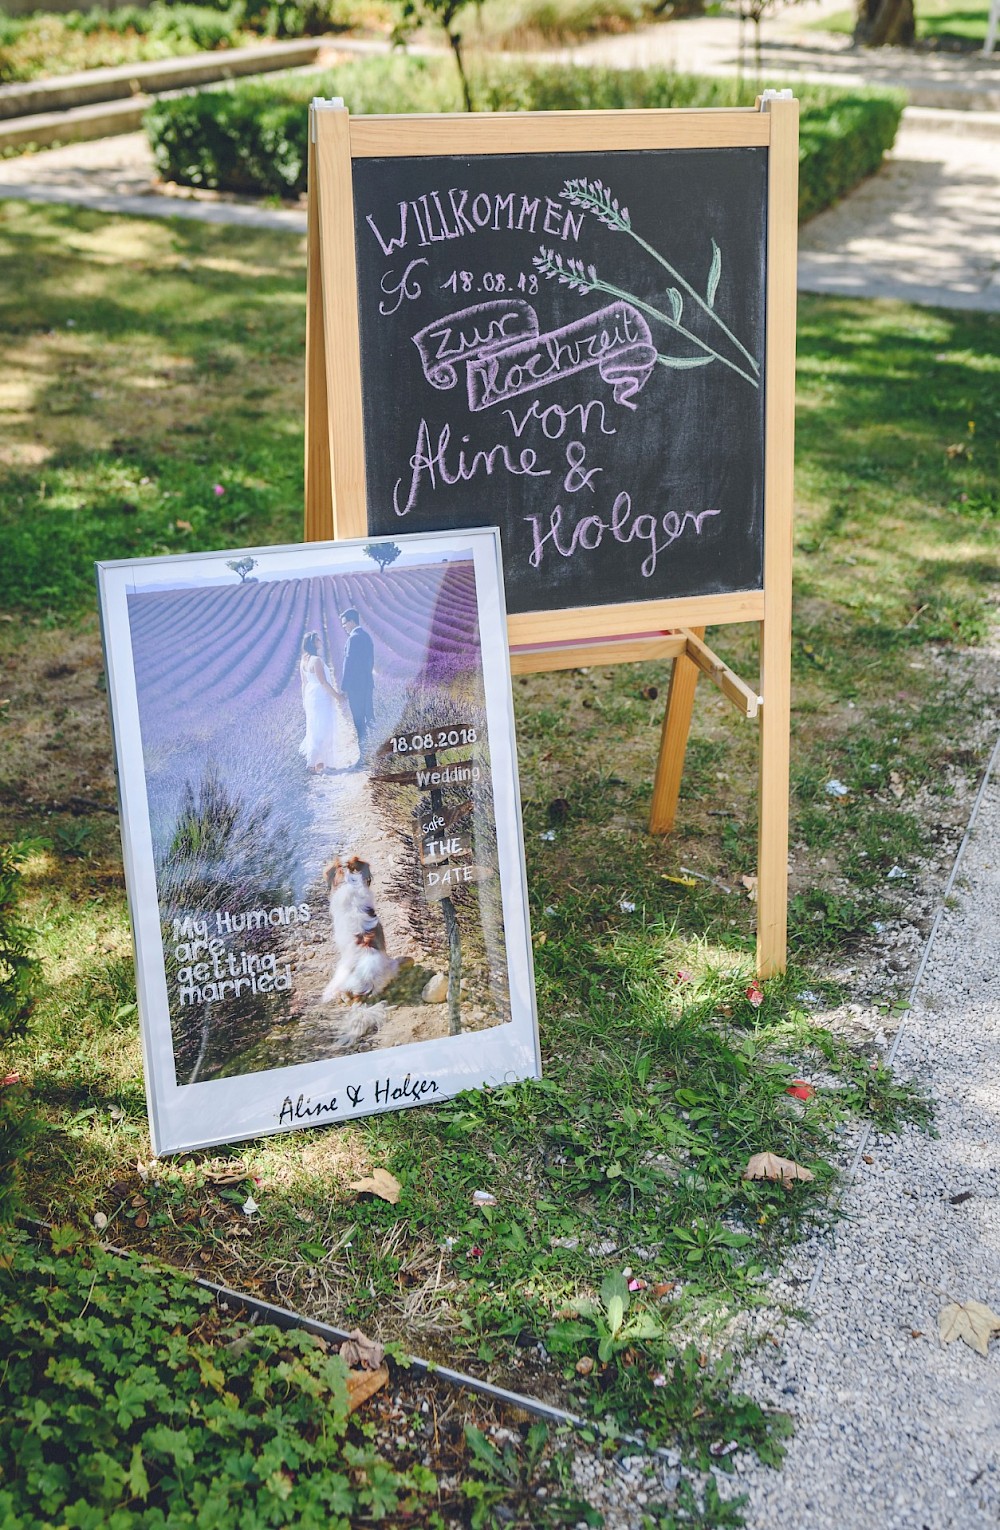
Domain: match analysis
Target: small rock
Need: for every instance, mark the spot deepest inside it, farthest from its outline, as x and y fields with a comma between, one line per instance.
x=435, y=989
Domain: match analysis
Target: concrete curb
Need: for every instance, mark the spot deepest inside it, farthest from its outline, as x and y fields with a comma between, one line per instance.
x=89, y=86
x=76, y=124
x=933, y=120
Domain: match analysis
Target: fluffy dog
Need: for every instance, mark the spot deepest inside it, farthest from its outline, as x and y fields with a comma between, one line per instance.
x=352, y=909
x=363, y=971
x=363, y=968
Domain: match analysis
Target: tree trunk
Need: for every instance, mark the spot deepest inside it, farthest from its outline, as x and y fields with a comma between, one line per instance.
x=455, y=39
x=882, y=23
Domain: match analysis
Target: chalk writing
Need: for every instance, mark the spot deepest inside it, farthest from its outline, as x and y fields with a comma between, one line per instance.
x=407, y=287
x=578, y=476
x=436, y=216
x=658, y=532
x=505, y=355
x=578, y=360
x=474, y=331
x=554, y=419
x=430, y=463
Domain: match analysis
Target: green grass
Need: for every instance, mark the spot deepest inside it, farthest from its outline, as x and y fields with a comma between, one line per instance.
x=935, y=19
x=514, y=24
x=155, y=323
x=32, y=47
x=148, y=362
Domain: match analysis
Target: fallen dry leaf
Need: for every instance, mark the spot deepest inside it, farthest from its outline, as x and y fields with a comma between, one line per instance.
x=225, y=1171
x=896, y=784
x=750, y=883
x=364, y=1384
x=358, y=1350
x=971, y=1321
x=382, y=1183
x=770, y=1166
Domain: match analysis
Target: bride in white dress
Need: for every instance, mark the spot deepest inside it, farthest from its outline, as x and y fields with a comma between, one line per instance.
x=331, y=741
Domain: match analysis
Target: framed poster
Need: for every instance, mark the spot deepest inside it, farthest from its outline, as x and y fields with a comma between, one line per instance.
x=321, y=829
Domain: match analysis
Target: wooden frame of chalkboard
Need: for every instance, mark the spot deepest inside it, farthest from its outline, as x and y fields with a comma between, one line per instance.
x=579, y=326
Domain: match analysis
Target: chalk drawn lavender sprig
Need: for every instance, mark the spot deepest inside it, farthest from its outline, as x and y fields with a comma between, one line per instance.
x=596, y=198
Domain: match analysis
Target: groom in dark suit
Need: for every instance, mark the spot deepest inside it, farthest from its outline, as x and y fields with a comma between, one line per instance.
x=358, y=682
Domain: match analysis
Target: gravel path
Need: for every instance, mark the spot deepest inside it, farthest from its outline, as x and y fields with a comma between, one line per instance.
x=896, y=1431
x=925, y=228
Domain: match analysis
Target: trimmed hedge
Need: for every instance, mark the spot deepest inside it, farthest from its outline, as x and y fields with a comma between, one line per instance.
x=251, y=137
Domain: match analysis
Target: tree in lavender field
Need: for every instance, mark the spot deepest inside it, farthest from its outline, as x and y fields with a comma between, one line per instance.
x=383, y=553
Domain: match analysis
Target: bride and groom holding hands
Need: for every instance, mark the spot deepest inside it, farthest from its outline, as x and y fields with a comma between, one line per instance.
x=337, y=716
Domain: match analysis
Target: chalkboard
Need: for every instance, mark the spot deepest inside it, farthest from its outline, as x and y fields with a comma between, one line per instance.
x=579, y=327
x=570, y=347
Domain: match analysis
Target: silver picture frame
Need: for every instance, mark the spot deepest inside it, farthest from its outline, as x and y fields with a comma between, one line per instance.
x=321, y=830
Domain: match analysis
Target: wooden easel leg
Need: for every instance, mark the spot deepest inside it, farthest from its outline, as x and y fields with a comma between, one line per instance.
x=318, y=468
x=772, y=846
x=673, y=743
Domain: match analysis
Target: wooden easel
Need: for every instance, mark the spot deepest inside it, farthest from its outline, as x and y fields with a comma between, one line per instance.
x=335, y=500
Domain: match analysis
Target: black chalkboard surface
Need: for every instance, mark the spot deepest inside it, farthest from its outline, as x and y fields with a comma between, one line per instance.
x=570, y=347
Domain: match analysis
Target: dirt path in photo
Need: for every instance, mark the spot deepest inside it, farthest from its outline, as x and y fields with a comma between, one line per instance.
x=347, y=821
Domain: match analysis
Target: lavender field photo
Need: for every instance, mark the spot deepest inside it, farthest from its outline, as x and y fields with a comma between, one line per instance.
x=324, y=846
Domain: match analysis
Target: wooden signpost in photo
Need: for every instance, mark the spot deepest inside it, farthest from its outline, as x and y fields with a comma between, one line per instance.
x=580, y=327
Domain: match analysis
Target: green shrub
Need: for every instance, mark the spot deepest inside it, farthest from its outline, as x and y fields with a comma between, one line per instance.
x=183, y=26
x=842, y=139
x=125, y=1400
x=18, y=983
x=252, y=137
x=533, y=23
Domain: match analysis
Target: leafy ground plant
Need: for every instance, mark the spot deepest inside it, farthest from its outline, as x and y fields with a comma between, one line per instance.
x=127, y=1398
x=617, y=1235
